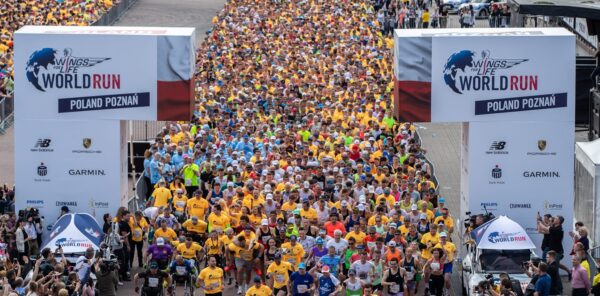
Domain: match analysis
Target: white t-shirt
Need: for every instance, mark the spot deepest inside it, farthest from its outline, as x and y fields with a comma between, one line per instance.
x=339, y=246
x=363, y=270
x=151, y=213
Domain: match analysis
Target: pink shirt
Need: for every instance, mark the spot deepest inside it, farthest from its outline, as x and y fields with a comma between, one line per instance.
x=580, y=278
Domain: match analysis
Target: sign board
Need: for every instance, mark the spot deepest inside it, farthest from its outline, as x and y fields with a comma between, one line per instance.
x=495, y=74
x=516, y=100
x=70, y=163
x=521, y=168
x=104, y=73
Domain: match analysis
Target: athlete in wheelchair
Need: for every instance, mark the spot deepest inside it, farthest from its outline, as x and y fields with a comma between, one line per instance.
x=154, y=280
x=182, y=270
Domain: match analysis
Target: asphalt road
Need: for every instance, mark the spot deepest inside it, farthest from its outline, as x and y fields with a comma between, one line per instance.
x=179, y=13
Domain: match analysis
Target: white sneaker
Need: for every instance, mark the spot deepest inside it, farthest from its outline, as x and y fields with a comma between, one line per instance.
x=245, y=288
x=240, y=290
x=120, y=283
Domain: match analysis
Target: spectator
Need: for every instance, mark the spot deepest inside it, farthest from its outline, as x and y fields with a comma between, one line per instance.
x=580, y=283
x=543, y=283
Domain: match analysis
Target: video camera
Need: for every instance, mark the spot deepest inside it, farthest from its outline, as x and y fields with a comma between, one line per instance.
x=470, y=221
x=30, y=212
x=109, y=259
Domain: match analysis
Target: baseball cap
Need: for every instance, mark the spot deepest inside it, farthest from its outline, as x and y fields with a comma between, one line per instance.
x=153, y=265
x=325, y=268
x=264, y=222
x=306, y=184
x=413, y=207
x=423, y=216
x=442, y=200
x=229, y=184
x=320, y=241
x=296, y=212
x=293, y=237
x=344, y=203
x=194, y=218
x=392, y=244
x=160, y=241
x=301, y=265
x=257, y=279
x=269, y=196
x=351, y=272
x=361, y=207
x=393, y=225
x=443, y=234
x=322, y=231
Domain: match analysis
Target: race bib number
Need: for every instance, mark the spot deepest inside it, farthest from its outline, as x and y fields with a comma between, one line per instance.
x=180, y=204
x=410, y=276
x=302, y=289
x=137, y=233
x=246, y=255
x=214, y=286
x=181, y=270
x=292, y=260
x=280, y=278
x=371, y=245
x=153, y=282
x=188, y=182
x=395, y=288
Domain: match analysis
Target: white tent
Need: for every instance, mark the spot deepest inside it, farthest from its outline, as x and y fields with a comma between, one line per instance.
x=75, y=233
x=502, y=233
x=587, y=185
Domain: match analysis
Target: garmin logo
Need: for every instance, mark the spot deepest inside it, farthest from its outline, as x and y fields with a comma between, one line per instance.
x=84, y=172
x=546, y=174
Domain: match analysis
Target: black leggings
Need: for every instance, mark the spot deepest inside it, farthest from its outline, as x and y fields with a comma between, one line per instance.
x=139, y=246
x=436, y=285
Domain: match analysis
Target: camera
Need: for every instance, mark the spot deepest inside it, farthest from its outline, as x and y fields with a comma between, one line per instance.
x=489, y=280
x=109, y=260
x=30, y=213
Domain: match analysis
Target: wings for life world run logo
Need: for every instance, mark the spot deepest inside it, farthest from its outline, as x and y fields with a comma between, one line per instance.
x=483, y=72
x=50, y=68
x=506, y=237
x=468, y=72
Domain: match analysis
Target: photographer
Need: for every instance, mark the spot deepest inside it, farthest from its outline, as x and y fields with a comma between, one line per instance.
x=84, y=264
x=106, y=278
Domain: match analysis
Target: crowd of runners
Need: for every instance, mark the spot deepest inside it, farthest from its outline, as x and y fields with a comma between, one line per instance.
x=294, y=176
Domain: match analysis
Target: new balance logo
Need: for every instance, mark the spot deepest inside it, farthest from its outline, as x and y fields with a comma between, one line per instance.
x=43, y=143
x=498, y=145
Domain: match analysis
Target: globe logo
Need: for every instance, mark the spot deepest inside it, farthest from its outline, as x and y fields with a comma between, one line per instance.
x=457, y=61
x=38, y=59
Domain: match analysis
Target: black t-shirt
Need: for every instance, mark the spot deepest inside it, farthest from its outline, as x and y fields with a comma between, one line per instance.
x=124, y=227
x=555, y=286
x=152, y=279
x=555, y=237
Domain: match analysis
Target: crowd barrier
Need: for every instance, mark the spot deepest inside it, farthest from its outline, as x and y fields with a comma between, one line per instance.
x=6, y=113
x=109, y=18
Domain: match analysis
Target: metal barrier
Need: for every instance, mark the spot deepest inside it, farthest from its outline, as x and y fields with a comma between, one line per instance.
x=113, y=15
x=6, y=113
x=137, y=201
